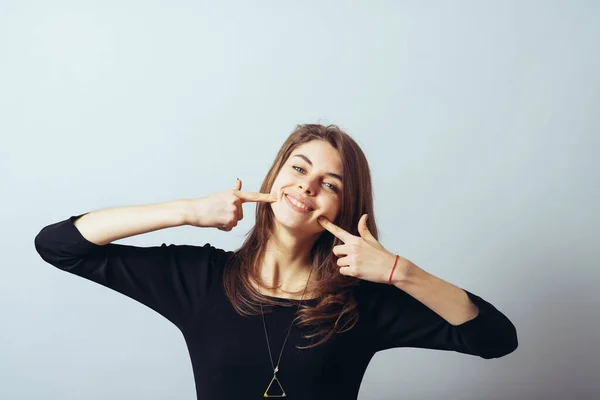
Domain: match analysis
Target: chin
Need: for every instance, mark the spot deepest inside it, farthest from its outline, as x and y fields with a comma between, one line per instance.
x=295, y=225
x=291, y=224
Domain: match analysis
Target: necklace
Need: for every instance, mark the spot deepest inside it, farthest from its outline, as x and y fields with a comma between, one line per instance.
x=281, y=392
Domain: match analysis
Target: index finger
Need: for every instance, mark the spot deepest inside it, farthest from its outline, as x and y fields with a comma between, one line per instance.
x=254, y=196
x=338, y=232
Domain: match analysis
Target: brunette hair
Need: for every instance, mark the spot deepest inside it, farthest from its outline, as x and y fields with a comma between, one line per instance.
x=336, y=309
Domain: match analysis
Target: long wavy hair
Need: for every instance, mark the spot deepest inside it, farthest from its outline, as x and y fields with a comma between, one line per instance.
x=336, y=310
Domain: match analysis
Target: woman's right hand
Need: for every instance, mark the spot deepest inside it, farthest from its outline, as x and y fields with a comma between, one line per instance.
x=222, y=210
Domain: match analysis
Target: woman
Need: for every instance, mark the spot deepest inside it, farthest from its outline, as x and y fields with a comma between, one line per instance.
x=301, y=308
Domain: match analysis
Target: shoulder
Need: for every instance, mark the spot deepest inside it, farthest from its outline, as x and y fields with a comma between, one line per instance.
x=204, y=260
x=206, y=254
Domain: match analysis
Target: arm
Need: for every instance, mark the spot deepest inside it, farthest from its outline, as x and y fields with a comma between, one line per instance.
x=170, y=279
x=220, y=210
x=420, y=310
x=426, y=312
x=447, y=300
x=108, y=225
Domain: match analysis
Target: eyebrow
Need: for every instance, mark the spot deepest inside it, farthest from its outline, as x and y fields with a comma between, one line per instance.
x=332, y=174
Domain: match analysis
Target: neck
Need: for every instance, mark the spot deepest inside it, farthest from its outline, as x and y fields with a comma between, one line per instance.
x=287, y=263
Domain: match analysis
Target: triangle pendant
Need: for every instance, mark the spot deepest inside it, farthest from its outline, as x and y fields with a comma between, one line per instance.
x=277, y=390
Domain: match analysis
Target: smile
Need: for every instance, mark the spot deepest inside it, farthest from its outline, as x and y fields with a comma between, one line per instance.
x=296, y=205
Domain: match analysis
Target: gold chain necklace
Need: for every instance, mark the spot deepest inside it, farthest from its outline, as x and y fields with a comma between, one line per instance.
x=276, y=367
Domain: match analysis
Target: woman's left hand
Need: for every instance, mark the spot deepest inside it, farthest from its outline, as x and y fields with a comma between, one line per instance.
x=364, y=257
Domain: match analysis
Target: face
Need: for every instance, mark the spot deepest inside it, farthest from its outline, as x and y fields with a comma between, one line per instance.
x=311, y=175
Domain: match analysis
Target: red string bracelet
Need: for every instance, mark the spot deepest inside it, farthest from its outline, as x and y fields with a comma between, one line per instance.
x=393, y=268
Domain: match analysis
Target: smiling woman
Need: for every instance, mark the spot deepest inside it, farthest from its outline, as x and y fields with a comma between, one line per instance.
x=310, y=169
x=311, y=272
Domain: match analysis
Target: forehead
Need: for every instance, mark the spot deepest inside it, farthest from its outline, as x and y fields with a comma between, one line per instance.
x=320, y=153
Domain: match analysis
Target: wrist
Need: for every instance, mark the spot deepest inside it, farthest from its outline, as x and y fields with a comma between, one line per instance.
x=404, y=273
x=181, y=211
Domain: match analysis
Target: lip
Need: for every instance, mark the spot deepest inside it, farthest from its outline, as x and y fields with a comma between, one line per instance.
x=299, y=199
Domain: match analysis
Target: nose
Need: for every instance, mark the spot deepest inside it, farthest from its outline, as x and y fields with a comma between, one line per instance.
x=307, y=186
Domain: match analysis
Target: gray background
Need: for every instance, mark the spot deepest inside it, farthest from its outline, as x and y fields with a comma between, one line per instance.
x=480, y=121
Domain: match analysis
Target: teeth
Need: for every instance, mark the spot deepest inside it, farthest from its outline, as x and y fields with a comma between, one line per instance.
x=296, y=203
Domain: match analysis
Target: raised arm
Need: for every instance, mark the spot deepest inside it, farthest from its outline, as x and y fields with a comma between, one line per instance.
x=170, y=279
x=108, y=225
x=220, y=210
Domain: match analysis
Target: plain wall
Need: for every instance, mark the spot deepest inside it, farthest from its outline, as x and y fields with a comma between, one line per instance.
x=480, y=121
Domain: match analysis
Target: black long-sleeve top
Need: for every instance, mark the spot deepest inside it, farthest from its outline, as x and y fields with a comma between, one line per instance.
x=229, y=352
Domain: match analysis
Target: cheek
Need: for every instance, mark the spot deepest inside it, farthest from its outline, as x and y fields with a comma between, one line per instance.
x=277, y=191
x=276, y=188
x=331, y=208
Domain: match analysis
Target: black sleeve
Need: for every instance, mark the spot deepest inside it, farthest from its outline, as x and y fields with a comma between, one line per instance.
x=399, y=320
x=170, y=279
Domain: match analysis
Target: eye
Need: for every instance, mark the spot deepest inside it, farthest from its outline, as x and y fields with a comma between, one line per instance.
x=301, y=170
x=333, y=187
